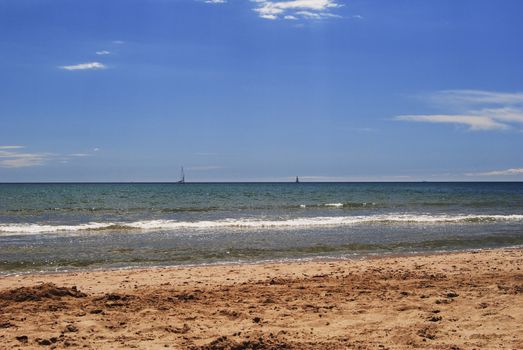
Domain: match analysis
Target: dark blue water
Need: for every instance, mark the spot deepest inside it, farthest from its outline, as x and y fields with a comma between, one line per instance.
x=47, y=227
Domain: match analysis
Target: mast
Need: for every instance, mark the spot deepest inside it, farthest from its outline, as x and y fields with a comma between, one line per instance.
x=182, y=176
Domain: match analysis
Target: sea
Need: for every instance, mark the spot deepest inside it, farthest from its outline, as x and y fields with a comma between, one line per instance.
x=87, y=226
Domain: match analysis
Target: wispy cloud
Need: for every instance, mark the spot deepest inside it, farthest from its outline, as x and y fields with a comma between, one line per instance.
x=294, y=9
x=472, y=121
x=505, y=172
x=477, y=97
x=291, y=9
x=118, y=42
x=11, y=147
x=18, y=159
x=83, y=154
x=103, y=52
x=476, y=109
x=85, y=66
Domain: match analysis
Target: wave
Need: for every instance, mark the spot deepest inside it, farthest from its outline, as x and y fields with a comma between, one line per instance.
x=302, y=222
x=354, y=205
x=38, y=211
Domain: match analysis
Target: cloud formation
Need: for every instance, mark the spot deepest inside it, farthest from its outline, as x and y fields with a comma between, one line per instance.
x=505, y=172
x=294, y=9
x=291, y=9
x=17, y=159
x=11, y=147
x=85, y=66
x=476, y=109
x=477, y=97
x=472, y=121
x=103, y=52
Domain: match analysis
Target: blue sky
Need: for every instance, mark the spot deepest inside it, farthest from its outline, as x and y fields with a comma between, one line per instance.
x=241, y=90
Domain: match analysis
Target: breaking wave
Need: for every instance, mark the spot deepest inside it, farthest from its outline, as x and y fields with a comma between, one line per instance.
x=273, y=223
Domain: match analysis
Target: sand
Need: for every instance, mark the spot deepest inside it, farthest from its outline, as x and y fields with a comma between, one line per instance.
x=468, y=300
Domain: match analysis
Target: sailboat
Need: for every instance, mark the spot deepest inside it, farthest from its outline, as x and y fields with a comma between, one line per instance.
x=297, y=180
x=182, y=177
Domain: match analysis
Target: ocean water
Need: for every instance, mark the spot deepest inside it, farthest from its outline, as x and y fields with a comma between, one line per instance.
x=59, y=227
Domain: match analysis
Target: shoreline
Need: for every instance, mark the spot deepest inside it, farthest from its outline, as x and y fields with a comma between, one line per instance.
x=311, y=259
x=447, y=300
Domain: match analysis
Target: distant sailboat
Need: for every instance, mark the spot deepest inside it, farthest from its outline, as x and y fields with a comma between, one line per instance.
x=182, y=177
x=297, y=180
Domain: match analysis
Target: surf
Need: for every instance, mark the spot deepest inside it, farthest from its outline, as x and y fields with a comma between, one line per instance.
x=256, y=223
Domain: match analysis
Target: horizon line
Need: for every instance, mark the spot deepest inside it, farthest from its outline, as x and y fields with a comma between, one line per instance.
x=250, y=182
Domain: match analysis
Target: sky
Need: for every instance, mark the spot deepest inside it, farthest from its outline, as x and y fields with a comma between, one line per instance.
x=261, y=90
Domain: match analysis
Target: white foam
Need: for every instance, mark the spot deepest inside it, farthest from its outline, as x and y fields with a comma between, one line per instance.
x=335, y=205
x=303, y=222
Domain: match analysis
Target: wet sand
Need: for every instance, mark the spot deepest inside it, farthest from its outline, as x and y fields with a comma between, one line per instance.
x=471, y=300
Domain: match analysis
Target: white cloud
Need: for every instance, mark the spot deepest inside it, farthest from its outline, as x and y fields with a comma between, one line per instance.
x=473, y=122
x=103, y=52
x=315, y=15
x=269, y=16
x=15, y=159
x=503, y=114
x=11, y=147
x=291, y=9
x=479, y=110
x=477, y=97
x=506, y=172
x=84, y=154
x=85, y=66
x=294, y=9
x=118, y=42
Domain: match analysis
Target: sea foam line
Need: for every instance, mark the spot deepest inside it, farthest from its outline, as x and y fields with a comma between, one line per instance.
x=151, y=225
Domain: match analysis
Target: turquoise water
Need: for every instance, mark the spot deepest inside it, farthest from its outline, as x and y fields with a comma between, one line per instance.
x=54, y=227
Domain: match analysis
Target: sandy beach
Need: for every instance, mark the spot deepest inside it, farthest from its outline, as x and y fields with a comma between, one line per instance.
x=468, y=300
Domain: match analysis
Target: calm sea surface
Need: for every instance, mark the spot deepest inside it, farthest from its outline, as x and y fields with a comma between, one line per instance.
x=56, y=227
